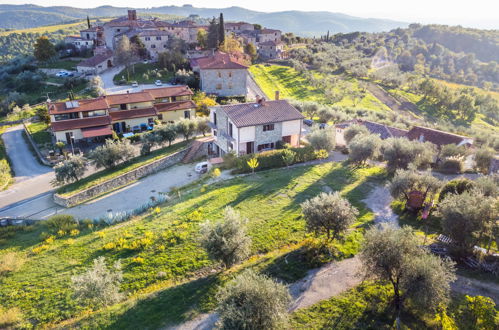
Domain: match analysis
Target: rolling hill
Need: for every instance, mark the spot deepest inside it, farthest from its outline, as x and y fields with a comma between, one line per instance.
x=298, y=22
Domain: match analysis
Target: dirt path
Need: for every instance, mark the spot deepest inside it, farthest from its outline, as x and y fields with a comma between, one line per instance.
x=379, y=201
x=404, y=107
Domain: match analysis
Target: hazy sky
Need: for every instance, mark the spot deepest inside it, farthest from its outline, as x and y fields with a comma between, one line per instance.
x=480, y=13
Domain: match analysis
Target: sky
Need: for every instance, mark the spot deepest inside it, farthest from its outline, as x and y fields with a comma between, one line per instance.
x=476, y=13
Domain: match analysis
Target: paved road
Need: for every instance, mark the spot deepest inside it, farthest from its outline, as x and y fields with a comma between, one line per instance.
x=31, y=178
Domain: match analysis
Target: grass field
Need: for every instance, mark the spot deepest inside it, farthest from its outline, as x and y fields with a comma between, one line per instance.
x=292, y=85
x=173, y=281
x=39, y=132
x=145, y=73
x=132, y=164
x=5, y=170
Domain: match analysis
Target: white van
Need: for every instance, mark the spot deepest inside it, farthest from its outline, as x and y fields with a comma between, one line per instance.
x=202, y=167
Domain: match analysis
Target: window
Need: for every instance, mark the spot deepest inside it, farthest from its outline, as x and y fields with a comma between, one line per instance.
x=215, y=118
x=230, y=74
x=118, y=30
x=160, y=116
x=148, y=38
x=265, y=146
x=230, y=85
x=158, y=38
x=268, y=127
x=187, y=114
x=219, y=74
x=94, y=113
x=123, y=106
x=219, y=86
x=230, y=129
x=153, y=46
x=65, y=116
x=165, y=46
x=215, y=132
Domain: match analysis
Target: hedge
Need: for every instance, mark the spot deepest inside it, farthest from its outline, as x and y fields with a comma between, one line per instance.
x=273, y=159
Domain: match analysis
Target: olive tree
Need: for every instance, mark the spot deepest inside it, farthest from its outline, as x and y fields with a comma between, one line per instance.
x=392, y=255
x=468, y=218
x=354, y=130
x=167, y=133
x=202, y=125
x=69, y=170
x=253, y=301
x=406, y=181
x=322, y=139
x=100, y=285
x=483, y=158
x=328, y=213
x=400, y=153
x=186, y=127
x=112, y=153
x=226, y=240
x=364, y=147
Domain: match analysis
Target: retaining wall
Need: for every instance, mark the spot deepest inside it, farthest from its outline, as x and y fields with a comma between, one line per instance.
x=122, y=180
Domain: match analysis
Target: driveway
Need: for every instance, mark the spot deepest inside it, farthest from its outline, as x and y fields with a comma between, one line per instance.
x=125, y=199
x=31, y=178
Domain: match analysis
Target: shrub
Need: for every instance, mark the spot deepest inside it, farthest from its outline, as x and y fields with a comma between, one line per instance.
x=452, y=165
x=64, y=222
x=453, y=150
x=253, y=301
x=483, y=158
x=69, y=170
x=478, y=313
x=364, y=147
x=100, y=285
x=288, y=157
x=272, y=159
x=226, y=240
x=186, y=127
x=11, y=262
x=456, y=186
x=328, y=213
x=400, y=153
x=322, y=139
x=10, y=318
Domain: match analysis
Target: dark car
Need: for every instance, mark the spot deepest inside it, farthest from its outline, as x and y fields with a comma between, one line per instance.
x=323, y=126
x=308, y=122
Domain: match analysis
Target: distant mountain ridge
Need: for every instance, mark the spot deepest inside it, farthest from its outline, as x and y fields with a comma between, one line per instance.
x=299, y=22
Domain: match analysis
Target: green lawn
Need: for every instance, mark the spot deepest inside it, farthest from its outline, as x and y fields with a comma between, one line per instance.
x=60, y=64
x=123, y=168
x=39, y=132
x=292, y=85
x=174, y=281
x=145, y=73
x=5, y=170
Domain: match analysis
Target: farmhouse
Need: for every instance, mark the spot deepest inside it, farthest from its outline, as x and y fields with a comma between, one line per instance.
x=271, y=50
x=95, y=119
x=222, y=74
x=254, y=127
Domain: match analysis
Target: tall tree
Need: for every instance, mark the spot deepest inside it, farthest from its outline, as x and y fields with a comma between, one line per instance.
x=212, y=40
x=221, y=29
x=124, y=53
x=202, y=38
x=44, y=49
x=88, y=22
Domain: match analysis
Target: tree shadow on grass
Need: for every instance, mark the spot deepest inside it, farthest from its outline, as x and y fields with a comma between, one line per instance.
x=170, y=306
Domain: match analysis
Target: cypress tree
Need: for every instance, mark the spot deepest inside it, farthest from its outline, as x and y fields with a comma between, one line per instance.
x=88, y=22
x=221, y=30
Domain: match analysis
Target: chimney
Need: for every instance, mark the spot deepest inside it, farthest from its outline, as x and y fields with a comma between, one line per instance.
x=261, y=101
x=257, y=99
x=132, y=15
x=277, y=95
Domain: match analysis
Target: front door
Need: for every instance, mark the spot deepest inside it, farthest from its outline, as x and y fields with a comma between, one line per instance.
x=116, y=127
x=250, y=147
x=69, y=137
x=123, y=127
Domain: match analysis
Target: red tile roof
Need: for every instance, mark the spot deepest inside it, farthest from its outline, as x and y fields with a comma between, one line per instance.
x=173, y=106
x=252, y=114
x=83, y=105
x=65, y=125
x=89, y=132
x=96, y=59
x=143, y=96
x=219, y=60
x=181, y=90
x=117, y=115
x=437, y=137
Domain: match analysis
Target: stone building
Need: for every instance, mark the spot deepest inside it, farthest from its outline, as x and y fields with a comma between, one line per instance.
x=255, y=127
x=155, y=41
x=222, y=74
x=101, y=61
x=271, y=50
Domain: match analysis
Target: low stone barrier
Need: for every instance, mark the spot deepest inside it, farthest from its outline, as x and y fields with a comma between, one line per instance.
x=122, y=180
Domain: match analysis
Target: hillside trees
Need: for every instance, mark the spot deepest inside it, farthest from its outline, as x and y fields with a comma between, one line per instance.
x=363, y=148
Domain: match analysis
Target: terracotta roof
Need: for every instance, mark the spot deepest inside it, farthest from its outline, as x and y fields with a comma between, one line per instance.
x=268, y=31
x=137, y=97
x=135, y=113
x=180, y=90
x=173, y=106
x=83, y=105
x=96, y=59
x=219, y=60
x=70, y=124
x=437, y=137
x=252, y=114
x=89, y=132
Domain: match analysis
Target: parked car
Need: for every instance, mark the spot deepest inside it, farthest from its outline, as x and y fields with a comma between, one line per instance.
x=135, y=84
x=308, y=122
x=62, y=74
x=202, y=167
x=158, y=83
x=323, y=126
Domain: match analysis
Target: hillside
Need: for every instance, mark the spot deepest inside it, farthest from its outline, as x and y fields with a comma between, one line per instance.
x=298, y=22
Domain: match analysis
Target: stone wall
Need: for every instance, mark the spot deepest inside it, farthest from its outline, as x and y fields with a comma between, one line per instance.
x=121, y=180
x=232, y=82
